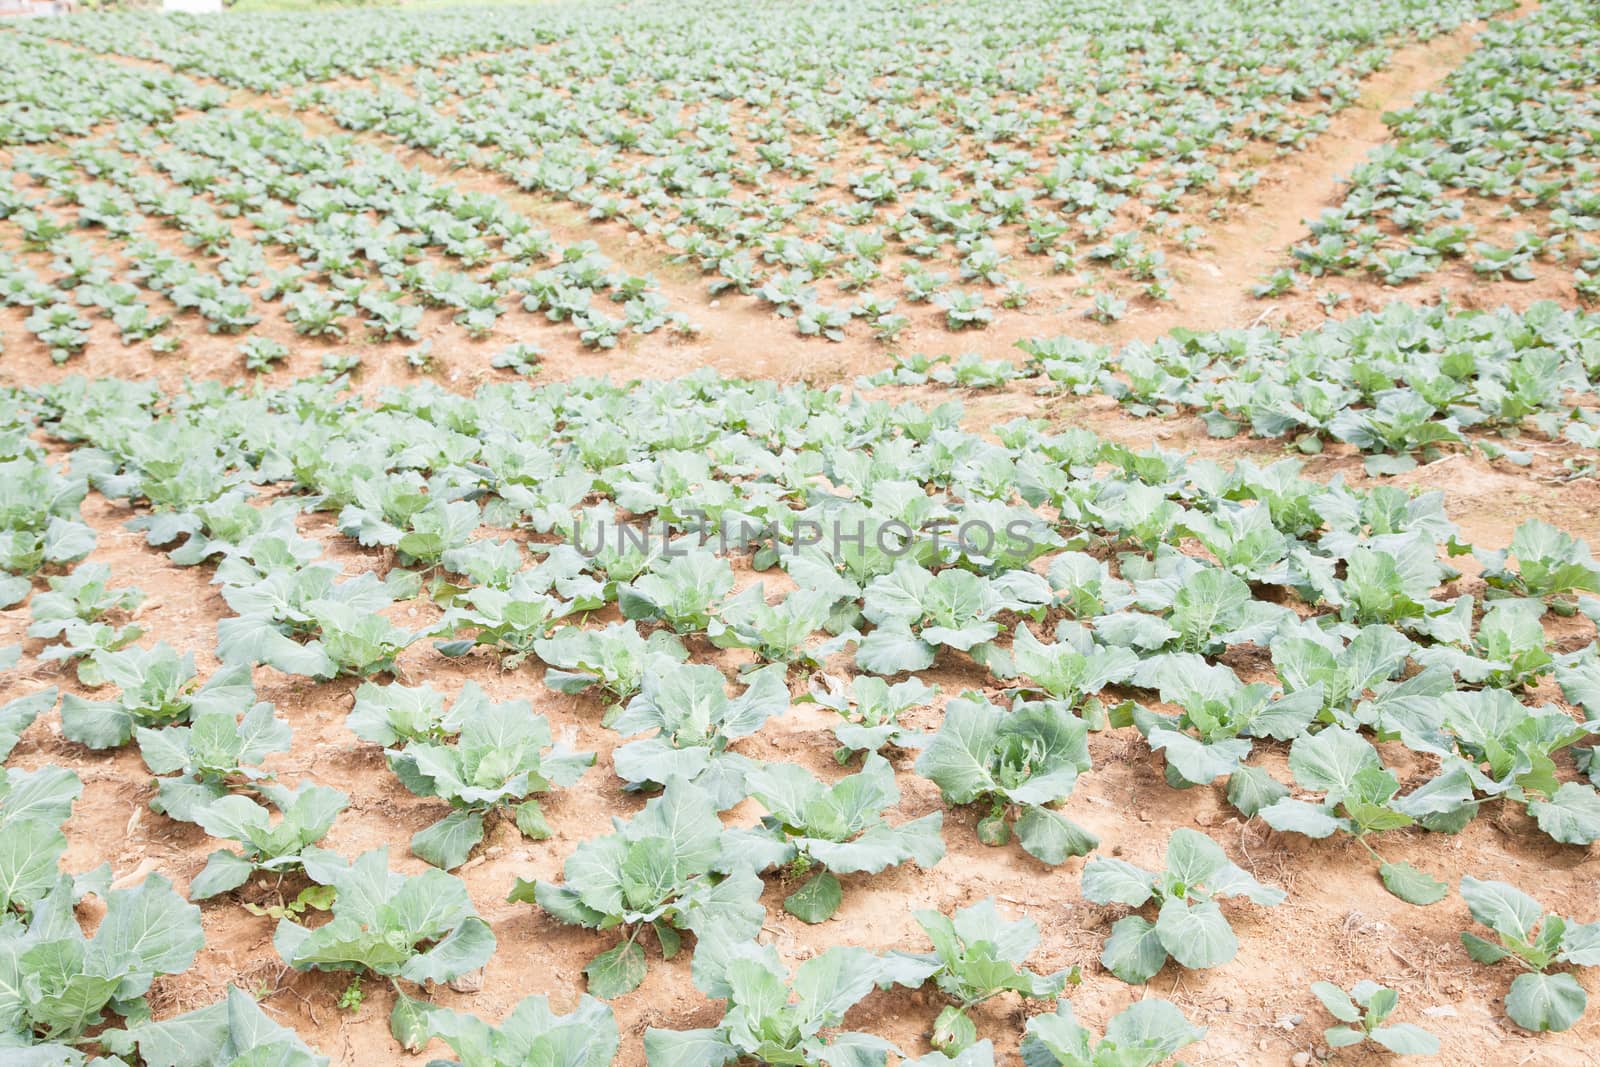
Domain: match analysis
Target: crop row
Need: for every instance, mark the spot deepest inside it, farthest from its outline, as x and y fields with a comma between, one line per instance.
x=1497, y=170
x=1407, y=382
x=52, y=93
x=221, y=215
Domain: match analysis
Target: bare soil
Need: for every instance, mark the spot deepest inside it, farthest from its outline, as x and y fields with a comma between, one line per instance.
x=1338, y=923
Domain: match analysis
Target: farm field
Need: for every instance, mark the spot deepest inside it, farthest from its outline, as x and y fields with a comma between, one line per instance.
x=860, y=534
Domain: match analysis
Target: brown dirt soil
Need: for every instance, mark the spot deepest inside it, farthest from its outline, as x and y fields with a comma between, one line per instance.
x=1338, y=924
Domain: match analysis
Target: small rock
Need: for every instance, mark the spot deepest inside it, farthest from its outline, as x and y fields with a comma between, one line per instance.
x=1289, y=1022
x=1301, y=1059
x=470, y=982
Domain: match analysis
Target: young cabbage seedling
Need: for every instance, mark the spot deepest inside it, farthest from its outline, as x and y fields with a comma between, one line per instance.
x=1190, y=926
x=871, y=709
x=1363, y=1011
x=1025, y=760
x=211, y=757
x=1537, y=1000
x=498, y=764
x=681, y=590
x=1549, y=563
x=613, y=659
x=1361, y=799
x=977, y=955
x=1143, y=1034
x=147, y=931
x=658, y=871
x=777, y=1016
x=532, y=1033
x=825, y=831
x=420, y=929
x=1218, y=719
x=159, y=688
x=269, y=845
x=233, y=1030
x=781, y=632
x=33, y=806
x=694, y=721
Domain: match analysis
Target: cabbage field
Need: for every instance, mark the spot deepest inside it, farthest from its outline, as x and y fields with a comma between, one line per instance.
x=1052, y=532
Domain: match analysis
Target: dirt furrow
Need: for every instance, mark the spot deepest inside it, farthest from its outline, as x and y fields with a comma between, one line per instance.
x=1214, y=293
